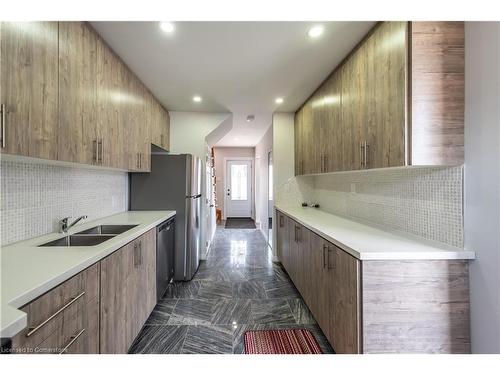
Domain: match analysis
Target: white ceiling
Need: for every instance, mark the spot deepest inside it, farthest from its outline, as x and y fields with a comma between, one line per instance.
x=236, y=67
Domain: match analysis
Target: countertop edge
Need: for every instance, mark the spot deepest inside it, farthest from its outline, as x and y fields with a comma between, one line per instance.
x=18, y=321
x=459, y=254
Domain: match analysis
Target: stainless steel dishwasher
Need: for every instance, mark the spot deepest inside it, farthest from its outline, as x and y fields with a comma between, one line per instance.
x=165, y=245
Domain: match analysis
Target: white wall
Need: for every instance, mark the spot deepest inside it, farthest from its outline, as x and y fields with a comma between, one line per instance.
x=222, y=153
x=482, y=180
x=283, y=154
x=188, y=131
x=261, y=181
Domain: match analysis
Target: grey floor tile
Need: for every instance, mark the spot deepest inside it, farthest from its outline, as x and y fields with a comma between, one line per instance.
x=159, y=339
x=215, y=289
x=193, y=311
x=233, y=311
x=182, y=289
x=215, y=339
x=271, y=311
x=162, y=312
x=300, y=311
x=249, y=289
x=280, y=289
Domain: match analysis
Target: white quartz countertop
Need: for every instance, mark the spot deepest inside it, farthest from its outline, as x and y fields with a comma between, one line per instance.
x=28, y=271
x=366, y=242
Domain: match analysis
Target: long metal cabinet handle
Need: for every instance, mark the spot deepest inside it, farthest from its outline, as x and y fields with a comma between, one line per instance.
x=328, y=259
x=94, y=151
x=281, y=221
x=366, y=154
x=3, y=123
x=361, y=154
x=73, y=300
x=73, y=339
x=324, y=256
x=99, y=151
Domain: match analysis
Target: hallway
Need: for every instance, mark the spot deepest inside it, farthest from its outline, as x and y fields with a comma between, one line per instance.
x=238, y=288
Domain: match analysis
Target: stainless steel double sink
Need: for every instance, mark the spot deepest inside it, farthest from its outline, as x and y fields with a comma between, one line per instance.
x=92, y=236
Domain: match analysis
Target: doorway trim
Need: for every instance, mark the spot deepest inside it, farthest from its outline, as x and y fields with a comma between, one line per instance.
x=252, y=188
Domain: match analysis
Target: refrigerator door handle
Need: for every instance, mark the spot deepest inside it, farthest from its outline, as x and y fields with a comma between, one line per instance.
x=193, y=196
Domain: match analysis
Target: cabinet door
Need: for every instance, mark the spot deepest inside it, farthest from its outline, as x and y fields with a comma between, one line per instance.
x=386, y=88
x=77, y=134
x=302, y=261
x=29, y=91
x=117, y=277
x=331, y=141
x=316, y=153
x=320, y=299
x=345, y=317
x=282, y=239
x=309, y=148
x=298, y=138
x=354, y=107
x=111, y=100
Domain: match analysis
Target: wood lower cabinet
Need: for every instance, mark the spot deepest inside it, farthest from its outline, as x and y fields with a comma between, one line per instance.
x=128, y=292
x=100, y=310
x=65, y=319
x=386, y=306
x=28, y=88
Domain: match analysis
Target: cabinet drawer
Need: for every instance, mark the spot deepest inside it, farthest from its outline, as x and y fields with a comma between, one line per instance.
x=51, y=310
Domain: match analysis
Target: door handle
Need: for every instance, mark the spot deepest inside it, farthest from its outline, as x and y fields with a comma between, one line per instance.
x=324, y=255
x=94, y=151
x=281, y=221
x=366, y=154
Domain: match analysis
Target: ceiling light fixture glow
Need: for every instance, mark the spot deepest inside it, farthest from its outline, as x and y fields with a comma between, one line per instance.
x=315, y=31
x=168, y=27
x=279, y=100
x=196, y=98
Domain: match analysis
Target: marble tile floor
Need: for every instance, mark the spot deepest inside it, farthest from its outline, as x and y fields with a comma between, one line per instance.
x=238, y=288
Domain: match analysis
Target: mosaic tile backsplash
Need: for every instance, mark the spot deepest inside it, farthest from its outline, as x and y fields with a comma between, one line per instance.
x=426, y=202
x=34, y=197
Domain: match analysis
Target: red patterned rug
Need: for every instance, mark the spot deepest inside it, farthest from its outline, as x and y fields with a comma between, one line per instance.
x=281, y=341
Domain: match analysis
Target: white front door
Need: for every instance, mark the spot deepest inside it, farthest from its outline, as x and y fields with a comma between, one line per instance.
x=238, y=188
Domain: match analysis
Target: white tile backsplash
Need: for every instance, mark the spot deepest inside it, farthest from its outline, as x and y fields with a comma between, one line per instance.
x=34, y=197
x=426, y=202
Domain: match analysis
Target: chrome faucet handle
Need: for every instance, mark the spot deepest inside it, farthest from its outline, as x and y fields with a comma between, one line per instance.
x=63, y=225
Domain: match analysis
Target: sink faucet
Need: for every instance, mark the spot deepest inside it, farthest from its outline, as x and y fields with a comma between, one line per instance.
x=63, y=224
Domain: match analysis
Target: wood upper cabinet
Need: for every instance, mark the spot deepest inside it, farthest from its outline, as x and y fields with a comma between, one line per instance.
x=128, y=292
x=69, y=97
x=28, y=87
x=299, y=158
x=401, y=102
x=77, y=132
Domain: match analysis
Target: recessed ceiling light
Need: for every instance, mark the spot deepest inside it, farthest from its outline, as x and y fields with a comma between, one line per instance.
x=315, y=31
x=278, y=100
x=168, y=27
x=196, y=98
x=250, y=118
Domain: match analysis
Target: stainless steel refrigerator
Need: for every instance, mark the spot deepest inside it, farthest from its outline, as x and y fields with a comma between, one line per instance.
x=174, y=183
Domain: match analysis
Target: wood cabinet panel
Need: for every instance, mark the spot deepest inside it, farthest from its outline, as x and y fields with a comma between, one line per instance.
x=128, y=292
x=331, y=137
x=437, y=93
x=298, y=139
x=345, y=308
x=416, y=306
x=28, y=81
x=68, y=299
x=77, y=93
